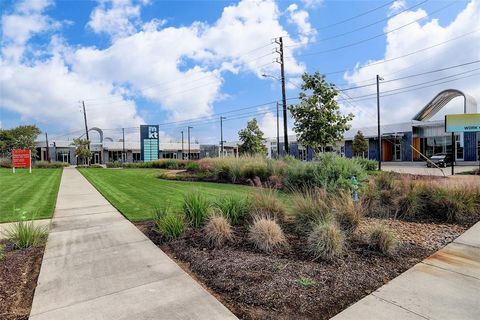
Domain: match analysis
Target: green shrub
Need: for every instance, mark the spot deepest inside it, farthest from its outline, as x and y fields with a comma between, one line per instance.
x=192, y=166
x=169, y=224
x=114, y=164
x=218, y=231
x=5, y=163
x=366, y=164
x=266, y=234
x=329, y=171
x=267, y=203
x=195, y=207
x=25, y=234
x=309, y=208
x=2, y=251
x=233, y=207
x=326, y=240
x=382, y=239
x=53, y=164
x=346, y=212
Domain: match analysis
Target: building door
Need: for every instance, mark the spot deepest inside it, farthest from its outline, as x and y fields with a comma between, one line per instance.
x=459, y=146
x=96, y=158
x=397, y=150
x=65, y=157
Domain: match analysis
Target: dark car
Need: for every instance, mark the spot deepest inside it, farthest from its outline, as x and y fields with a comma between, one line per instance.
x=441, y=159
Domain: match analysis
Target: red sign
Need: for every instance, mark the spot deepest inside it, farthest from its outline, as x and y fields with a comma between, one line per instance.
x=20, y=158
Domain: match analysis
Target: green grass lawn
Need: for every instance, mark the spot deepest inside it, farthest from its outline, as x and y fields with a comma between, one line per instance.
x=25, y=196
x=135, y=192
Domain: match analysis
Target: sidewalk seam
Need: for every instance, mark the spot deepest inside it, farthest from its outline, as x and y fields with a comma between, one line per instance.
x=399, y=306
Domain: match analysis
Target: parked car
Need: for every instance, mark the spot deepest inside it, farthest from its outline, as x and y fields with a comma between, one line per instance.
x=440, y=159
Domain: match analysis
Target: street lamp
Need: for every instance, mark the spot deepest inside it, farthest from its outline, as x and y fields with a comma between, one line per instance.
x=379, y=138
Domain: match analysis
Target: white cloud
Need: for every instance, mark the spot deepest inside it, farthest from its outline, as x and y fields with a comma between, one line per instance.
x=117, y=18
x=397, y=6
x=312, y=3
x=301, y=19
x=403, y=107
x=145, y=60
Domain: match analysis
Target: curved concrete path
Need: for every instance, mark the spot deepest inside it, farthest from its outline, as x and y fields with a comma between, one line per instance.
x=97, y=265
x=446, y=285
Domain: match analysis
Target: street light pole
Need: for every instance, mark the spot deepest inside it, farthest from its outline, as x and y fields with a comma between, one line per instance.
x=124, y=156
x=188, y=156
x=221, y=135
x=278, y=135
x=379, y=138
x=182, y=146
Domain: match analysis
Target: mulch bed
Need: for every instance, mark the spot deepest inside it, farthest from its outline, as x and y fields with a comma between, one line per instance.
x=19, y=271
x=255, y=285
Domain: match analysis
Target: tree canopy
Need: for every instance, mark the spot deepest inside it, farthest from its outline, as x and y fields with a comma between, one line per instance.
x=318, y=121
x=81, y=150
x=359, y=145
x=21, y=137
x=252, y=139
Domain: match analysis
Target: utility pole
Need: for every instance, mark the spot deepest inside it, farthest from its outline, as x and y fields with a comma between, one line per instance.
x=182, y=146
x=46, y=141
x=188, y=157
x=281, y=61
x=278, y=135
x=86, y=126
x=379, y=138
x=124, y=156
x=221, y=135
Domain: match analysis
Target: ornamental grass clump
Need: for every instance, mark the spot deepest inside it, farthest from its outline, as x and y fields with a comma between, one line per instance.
x=345, y=211
x=266, y=202
x=382, y=239
x=233, y=207
x=309, y=208
x=326, y=240
x=195, y=208
x=266, y=234
x=25, y=234
x=218, y=231
x=169, y=224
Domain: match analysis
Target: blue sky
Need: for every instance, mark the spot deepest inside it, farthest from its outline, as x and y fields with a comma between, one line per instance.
x=180, y=63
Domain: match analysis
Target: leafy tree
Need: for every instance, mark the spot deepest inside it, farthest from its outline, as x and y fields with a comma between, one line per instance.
x=317, y=118
x=360, y=145
x=81, y=150
x=252, y=139
x=21, y=137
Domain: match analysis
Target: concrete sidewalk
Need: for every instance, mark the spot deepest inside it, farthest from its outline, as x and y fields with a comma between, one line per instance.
x=446, y=285
x=97, y=265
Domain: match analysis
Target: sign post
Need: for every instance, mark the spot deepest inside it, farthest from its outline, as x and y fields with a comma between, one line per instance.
x=22, y=158
x=149, y=142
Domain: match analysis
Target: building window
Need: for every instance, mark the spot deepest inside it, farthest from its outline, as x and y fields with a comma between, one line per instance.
x=136, y=156
x=114, y=156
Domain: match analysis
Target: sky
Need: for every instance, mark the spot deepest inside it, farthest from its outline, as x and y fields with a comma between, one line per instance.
x=186, y=63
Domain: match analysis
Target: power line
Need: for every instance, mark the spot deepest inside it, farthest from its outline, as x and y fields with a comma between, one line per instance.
x=362, y=27
x=376, y=36
x=356, y=16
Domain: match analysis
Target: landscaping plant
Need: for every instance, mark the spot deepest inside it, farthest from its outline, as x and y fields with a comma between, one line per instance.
x=25, y=234
x=326, y=240
x=195, y=207
x=218, y=231
x=346, y=212
x=266, y=234
x=309, y=208
x=382, y=239
x=266, y=203
x=169, y=224
x=233, y=207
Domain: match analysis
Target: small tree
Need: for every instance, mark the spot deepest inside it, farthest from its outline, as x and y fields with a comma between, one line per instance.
x=81, y=150
x=21, y=137
x=317, y=118
x=252, y=139
x=360, y=145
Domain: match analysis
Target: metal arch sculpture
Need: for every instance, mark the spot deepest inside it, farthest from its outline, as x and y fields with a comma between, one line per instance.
x=100, y=132
x=441, y=99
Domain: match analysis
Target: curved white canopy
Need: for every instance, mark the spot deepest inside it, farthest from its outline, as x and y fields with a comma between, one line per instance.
x=441, y=99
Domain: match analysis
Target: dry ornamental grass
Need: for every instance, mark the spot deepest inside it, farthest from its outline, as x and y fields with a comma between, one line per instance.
x=266, y=234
